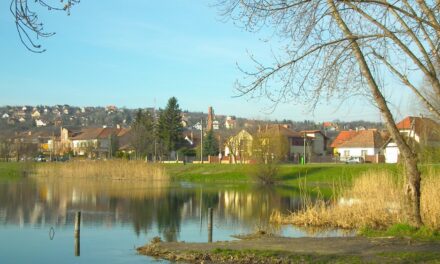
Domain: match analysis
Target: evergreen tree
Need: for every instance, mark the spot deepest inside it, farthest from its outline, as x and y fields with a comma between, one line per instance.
x=210, y=144
x=143, y=133
x=170, y=126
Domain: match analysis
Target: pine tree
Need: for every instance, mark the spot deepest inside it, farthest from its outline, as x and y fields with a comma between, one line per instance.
x=210, y=144
x=170, y=126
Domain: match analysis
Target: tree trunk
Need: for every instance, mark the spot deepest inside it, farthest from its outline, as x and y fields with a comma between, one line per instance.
x=412, y=188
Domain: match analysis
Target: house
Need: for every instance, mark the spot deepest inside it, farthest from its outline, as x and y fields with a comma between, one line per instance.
x=319, y=141
x=215, y=125
x=230, y=122
x=5, y=116
x=421, y=130
x=367, y=144
x=94, y=142
x=40, y=123
x=36, y=114
x=330, y=126
x=239, y=147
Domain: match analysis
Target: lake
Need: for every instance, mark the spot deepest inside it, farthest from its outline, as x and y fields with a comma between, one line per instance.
x=37, y=217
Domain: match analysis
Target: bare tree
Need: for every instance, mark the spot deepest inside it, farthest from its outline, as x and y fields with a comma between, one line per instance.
x=28, y=24
x=337, y=48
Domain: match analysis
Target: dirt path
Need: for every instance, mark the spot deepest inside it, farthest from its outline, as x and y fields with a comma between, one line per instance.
x=299, y=250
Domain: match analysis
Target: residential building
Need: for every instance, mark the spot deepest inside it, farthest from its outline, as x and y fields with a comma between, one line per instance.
x=367, y=144
x=230, y=122
x=421, y=131
x=36, y=114
x=239, y=147
x=40, y=123
x=95, y=142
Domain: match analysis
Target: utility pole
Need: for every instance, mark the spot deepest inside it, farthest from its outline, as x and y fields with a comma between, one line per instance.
x=201, y=140
x=304, y=152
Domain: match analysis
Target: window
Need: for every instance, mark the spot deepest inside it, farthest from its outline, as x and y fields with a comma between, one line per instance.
x=364, y=152
x=346, y=153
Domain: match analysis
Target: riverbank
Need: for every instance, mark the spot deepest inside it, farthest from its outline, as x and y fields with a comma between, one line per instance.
x=269, y=249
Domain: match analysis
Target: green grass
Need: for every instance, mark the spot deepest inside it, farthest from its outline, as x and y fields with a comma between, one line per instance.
x=310, y=176
x=11, y=170
x=403, y=231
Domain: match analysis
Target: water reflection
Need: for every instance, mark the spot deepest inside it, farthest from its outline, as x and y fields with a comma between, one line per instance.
x=147, y=206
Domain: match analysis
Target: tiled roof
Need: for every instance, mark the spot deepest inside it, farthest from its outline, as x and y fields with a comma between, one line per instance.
x=359, y=139
x=88, y=134
x=424, y=127
x=281, y=130
x=342, y=137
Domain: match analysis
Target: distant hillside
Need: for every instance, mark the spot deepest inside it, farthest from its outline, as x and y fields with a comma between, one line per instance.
x=22, y=118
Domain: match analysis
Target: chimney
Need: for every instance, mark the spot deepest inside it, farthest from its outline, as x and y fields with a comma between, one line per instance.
x=210, y=118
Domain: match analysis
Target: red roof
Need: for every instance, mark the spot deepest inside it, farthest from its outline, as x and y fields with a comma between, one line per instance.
x=342, y=137
x=423, y=127
x=360, y=139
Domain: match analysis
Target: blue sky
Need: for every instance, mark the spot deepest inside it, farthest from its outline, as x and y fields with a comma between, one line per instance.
x=139, y=53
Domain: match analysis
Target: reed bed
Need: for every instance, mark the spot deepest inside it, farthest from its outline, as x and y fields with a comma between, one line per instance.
x=374, y=200
x=110, y=169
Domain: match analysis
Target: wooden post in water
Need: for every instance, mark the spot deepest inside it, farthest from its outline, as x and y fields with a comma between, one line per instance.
x=77, y=233
x=77, y=223
x=210, y=224
x=77, y=246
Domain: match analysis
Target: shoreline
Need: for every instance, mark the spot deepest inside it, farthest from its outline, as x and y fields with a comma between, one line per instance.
x=273, y=249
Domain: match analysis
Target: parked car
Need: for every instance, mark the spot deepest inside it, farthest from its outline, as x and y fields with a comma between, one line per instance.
x=355, y=160
x=40, y=158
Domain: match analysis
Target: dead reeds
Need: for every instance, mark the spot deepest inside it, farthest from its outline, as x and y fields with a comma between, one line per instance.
x=374, y=200
x=110, y=169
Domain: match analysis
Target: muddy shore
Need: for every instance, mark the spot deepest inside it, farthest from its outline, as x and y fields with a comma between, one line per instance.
x=298, y=250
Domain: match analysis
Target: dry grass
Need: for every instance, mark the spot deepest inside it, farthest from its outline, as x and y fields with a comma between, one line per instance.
x=374, y=200
x=112, y=169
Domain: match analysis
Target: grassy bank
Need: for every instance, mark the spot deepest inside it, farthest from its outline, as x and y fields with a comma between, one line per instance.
x=317, y=178
x=111, y=169
x=374, y=201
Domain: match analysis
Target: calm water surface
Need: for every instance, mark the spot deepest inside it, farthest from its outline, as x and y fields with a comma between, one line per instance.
x=37, y=216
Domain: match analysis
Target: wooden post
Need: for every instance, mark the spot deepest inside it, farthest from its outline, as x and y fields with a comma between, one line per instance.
x=77, y=233
x=77, y=223
x=77, y=246
x=210, y=224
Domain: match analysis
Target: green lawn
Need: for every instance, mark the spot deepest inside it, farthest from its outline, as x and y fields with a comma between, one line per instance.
x=289, y=174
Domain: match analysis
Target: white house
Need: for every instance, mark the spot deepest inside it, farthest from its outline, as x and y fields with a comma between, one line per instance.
x=423, y=131
x=40, y=123
x=5, y=116
x=361, y=143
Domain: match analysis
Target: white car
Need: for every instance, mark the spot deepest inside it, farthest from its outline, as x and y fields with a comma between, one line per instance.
x=355, y=160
